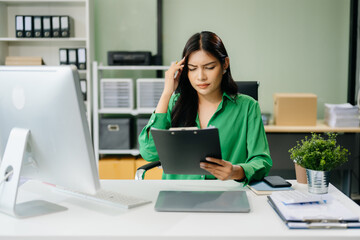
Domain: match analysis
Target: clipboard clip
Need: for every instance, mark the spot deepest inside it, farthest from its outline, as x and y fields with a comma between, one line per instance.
x=326, y=223
x=323, y=220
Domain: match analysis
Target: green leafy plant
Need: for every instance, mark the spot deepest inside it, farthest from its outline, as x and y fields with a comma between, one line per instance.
x=319, y=153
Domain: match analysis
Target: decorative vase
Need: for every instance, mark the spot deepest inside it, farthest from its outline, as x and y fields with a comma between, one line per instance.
x=318, y=181
x=300, y=173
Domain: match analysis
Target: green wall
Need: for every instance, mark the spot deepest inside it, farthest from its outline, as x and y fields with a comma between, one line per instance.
x=286, y=45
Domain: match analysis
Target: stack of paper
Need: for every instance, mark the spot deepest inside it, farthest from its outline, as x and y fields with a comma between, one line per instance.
x=342, y=115
x=324, y=212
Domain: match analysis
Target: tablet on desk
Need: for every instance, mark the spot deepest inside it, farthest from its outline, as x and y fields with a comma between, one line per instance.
x=202, y=201
x=181, y=151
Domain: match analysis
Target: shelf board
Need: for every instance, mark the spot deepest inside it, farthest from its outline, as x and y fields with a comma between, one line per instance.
x=133, y=152
x=133, y=67
x=29, y=2
x=61, y=40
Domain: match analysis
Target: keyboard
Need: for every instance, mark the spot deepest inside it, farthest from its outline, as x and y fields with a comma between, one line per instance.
x=106, y=197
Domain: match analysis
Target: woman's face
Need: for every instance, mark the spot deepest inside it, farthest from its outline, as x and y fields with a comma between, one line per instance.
x=205, y=73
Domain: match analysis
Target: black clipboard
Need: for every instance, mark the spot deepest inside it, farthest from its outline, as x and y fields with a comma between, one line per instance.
x=181, y=151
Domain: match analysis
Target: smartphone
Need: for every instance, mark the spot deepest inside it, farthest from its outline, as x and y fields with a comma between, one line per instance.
x=276, y=181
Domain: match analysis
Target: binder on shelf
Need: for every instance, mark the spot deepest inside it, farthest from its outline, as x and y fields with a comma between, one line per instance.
x=19, y=26
x=55, y=26
x=72, y=56
x=81, y=54
x=46, y=23
x=83, y=87
x=38, y=31
x=64, y=26
x=307, y=215
x=28, y=26
x=63, y=56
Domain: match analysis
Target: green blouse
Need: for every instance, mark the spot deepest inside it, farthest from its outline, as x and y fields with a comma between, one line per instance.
x=241, y=132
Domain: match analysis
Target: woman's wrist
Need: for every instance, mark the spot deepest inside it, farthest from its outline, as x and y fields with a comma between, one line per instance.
x=163, y=102
x=166, y=94
x=238, y=173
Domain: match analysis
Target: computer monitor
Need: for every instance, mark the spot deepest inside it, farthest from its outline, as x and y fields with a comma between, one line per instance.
x=249, y=88
x=44, y=135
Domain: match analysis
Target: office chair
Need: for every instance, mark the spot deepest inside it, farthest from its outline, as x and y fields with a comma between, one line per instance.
x=249, y=88
x=244, y=87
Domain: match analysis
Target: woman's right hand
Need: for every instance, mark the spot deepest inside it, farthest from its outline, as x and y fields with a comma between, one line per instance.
x=172, y=81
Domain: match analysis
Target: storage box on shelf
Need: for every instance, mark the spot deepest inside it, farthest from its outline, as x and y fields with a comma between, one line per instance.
x=148, y=93
x=117, y=95
x=80, y=13
x=140, y=124
x=117, y=101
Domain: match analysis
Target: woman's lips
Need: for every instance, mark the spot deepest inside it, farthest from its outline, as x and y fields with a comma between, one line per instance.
x=203, y=85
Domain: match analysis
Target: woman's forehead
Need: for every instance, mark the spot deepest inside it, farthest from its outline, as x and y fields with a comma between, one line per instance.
x=201, y=57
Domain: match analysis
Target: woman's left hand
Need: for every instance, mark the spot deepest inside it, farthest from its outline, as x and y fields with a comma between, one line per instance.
x=222, y=169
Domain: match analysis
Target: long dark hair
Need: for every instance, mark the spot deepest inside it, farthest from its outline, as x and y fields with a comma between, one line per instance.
x=186, y=107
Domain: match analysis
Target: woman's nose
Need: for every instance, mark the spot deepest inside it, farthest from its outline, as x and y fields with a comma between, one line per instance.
x=201, y=75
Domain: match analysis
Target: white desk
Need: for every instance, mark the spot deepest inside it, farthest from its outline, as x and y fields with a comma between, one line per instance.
x=85, y=220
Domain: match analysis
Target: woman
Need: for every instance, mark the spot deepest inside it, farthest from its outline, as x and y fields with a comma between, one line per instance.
x=207, y=96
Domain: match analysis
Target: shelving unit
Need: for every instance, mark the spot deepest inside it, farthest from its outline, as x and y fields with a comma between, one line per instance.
x=48, y=48
x=97, y=111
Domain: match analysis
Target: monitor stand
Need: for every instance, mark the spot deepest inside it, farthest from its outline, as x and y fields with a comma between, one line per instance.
x=13, y=161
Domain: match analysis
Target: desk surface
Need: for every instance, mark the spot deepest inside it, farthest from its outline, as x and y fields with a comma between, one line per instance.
x=320, y=127
x=89, y=220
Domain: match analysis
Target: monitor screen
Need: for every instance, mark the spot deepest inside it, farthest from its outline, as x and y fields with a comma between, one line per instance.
x=43, y=108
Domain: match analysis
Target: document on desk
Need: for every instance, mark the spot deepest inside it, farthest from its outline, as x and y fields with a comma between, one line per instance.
x=327, y=213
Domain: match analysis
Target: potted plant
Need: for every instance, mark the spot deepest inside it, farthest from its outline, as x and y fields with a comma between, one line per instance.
x=319, y=155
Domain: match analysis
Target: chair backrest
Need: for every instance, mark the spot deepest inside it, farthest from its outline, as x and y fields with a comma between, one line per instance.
x=249, y=88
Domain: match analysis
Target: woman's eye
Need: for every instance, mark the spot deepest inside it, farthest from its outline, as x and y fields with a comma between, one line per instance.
x=192, y=69
x=210, y=67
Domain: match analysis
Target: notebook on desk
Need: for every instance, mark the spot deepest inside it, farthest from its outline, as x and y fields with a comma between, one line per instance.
x=262, y=188
x=202, y=201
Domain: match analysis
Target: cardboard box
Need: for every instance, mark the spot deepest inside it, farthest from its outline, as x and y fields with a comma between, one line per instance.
x=23, y=61
x=117, y=168
x=152, y=174
x=295, y=109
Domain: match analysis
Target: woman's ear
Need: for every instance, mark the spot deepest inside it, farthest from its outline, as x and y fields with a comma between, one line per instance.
x=226, y=64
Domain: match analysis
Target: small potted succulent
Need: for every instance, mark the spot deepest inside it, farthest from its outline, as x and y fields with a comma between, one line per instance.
x=319, y=155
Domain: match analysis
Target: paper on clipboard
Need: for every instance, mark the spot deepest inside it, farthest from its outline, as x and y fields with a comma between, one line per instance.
x=332, y=210
x=331, y=214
